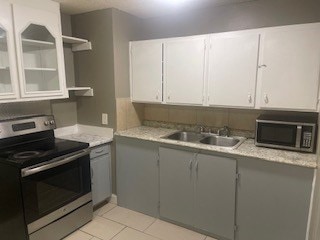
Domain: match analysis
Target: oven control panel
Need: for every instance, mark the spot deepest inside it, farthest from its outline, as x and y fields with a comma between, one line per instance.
x=26, y=125
x=306, y=139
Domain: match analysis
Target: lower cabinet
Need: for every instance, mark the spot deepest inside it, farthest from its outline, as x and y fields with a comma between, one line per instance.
x=215, y=195
x=176, y=185
x=198, y=190
x=137, y=175
x=100, y=173
x=273, y=200
x=227, y=198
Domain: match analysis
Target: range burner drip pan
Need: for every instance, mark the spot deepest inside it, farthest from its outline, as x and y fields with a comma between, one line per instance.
x=27, y=155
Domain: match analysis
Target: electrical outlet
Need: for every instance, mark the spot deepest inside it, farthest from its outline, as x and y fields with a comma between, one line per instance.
x=104, y=119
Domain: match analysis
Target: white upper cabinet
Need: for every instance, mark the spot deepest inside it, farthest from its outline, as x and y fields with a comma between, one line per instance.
x=146, y=71
x=39, y=52
x=289, y=68
x=184, y=70
x=8, y=69
x=233, y=60
x=267, y=68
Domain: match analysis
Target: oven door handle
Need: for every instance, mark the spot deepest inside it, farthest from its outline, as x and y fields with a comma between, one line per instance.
x=298, y=137
x=53, y=163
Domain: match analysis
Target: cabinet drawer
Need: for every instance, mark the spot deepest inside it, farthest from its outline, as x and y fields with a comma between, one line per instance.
x=98, y=151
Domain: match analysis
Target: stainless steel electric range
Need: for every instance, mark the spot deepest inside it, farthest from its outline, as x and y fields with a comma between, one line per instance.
x=45, y=182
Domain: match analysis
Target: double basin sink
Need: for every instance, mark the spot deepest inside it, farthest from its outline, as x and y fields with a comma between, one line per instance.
x=207, y=138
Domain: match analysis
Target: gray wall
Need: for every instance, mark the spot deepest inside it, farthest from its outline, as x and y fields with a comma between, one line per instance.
x=126, y=28
x=95, y=68
x=254, y=14
x=65, y=110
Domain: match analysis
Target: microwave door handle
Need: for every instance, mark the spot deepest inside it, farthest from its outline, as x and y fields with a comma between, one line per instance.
x=298, y=137
x=53, y=163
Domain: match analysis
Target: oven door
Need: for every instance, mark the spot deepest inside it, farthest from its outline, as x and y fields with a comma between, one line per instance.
x=278, y=135
x=55, y=189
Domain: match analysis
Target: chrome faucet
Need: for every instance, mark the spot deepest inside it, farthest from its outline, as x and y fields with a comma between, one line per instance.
x=225, y=132
x=201, y=129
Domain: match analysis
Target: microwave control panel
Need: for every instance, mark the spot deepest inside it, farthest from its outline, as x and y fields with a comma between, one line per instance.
x=306, y=140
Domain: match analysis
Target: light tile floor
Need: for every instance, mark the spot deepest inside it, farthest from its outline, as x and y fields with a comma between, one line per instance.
x=117, y=223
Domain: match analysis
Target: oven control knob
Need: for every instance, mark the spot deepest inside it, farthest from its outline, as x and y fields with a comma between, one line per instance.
x=51, y=122
x=46, y=123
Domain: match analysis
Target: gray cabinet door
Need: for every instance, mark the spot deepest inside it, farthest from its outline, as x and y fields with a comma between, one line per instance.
x=176, y=185
x=101, y=178
x=137, y=175
x=215, y=190
x=273, y=200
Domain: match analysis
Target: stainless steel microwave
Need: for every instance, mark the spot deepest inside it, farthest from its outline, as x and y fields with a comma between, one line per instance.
x=286, y=132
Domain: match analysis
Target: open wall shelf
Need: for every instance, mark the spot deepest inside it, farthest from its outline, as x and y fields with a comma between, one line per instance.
x=82, y=91
x=78, y=44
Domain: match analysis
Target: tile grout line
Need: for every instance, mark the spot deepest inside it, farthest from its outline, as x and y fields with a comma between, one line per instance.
x=141, y=231
x=125, y=224
x=119, y=232
x=106, y=211
x=144, y=231
x=155, y=219
x=148, y=234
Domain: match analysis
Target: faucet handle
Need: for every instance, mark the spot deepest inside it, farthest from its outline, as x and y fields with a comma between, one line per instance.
x=201, y=129
x=225, y=131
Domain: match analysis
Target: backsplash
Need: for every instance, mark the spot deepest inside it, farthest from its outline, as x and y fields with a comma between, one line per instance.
x=129, y=115
x=235, y=119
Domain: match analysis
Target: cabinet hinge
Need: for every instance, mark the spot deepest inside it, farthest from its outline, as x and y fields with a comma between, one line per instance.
x=237, y=176
x=158, y=159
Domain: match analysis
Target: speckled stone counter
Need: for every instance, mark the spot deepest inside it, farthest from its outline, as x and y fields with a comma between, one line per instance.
x=93, y=140
x=246, y=149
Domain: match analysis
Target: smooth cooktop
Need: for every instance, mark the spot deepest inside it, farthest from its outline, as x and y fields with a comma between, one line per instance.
x=36, y=152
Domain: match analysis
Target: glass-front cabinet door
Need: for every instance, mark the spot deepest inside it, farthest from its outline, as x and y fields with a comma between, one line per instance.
x=8, y=74
x=40, y=53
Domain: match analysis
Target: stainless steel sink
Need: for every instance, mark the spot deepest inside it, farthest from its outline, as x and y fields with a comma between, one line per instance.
x=209, y=139
x=185, y=136
x=221, y=141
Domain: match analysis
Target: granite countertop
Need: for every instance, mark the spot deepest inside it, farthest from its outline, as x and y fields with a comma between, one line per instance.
x=93, y=140
x=95, y=136
x=246, y=149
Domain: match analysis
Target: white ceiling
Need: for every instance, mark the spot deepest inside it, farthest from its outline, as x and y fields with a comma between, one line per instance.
x=140, y=8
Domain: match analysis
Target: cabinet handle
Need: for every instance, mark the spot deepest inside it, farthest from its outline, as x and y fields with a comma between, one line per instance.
x=263, y=66
x=157, y=97
x=190, y=164
x=249, y=98
x=100, y=151
x=197, y=166
x=266, y=98
x=169, y=97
